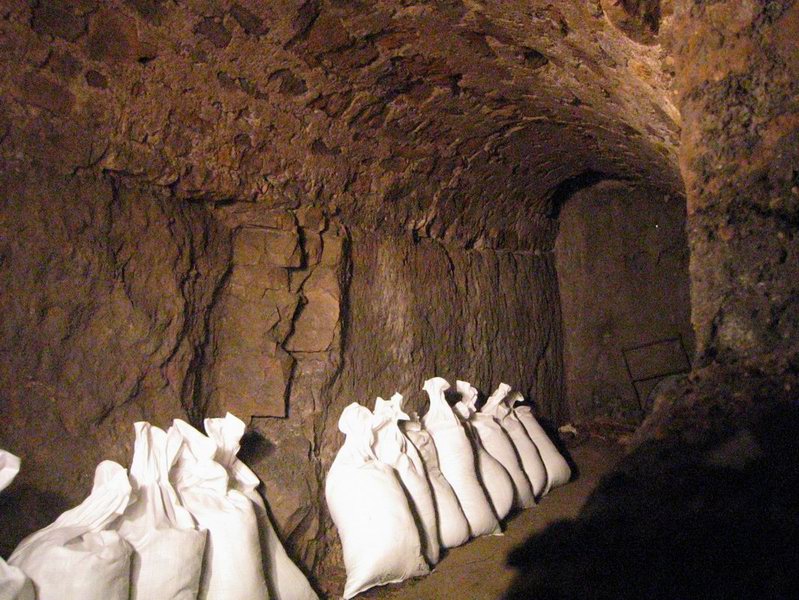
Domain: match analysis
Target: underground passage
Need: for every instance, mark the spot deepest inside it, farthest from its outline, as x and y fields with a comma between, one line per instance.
x=399, y=299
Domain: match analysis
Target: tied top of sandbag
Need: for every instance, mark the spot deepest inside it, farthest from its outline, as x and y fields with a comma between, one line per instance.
x=462, y=410
x=391, y=443
x=496, y=405
x=397, y=400
x=515, y=398
x=356, y=422
x=9, y=467
x=468, y=393
x=440, y=413
x=196, y=466
x=227, y=433
x=388, y=413
x=391, y=408
x=467, y=406
x=109, y=498
x=154, y=454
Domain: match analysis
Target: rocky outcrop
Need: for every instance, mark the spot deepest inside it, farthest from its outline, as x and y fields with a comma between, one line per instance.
x=639, y=19
x=737, y=66
x=740, y=164
x=713, y=466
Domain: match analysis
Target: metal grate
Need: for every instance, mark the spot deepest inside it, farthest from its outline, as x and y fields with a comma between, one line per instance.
x=651, y=362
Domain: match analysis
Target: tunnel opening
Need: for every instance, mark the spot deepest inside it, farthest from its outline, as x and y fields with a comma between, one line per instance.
x=622, y=262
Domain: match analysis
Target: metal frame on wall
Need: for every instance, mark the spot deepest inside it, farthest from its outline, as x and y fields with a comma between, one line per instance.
x=660, y=375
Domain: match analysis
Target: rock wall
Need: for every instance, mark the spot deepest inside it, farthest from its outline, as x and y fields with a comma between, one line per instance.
x=738, y=86
x=306, y=327
x=418, y=307
x=399, y=309
x=127, y=304
x=622, y=261
x=712, y=466
x=122, y=303
x=107, y=295
x=737, y=66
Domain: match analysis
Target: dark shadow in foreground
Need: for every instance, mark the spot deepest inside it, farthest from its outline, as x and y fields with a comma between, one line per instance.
x=717, y=519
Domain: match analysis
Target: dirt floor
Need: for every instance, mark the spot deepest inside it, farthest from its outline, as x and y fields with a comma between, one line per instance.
x=477, y=571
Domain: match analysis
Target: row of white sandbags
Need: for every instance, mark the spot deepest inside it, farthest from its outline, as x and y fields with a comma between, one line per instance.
x=187, y=523
x=397, y=495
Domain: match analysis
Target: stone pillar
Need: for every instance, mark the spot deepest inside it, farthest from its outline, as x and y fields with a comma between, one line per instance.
x=737, y=84
x=737, y=65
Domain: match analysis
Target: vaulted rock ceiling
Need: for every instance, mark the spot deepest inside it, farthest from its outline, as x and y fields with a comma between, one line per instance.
x=456, y=119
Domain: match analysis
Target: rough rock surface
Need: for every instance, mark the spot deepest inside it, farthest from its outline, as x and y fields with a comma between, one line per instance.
x=738, y=90
x=737, y=65
x=403, y=115
x=418, y=307
x=107, y=293
x=203, y=204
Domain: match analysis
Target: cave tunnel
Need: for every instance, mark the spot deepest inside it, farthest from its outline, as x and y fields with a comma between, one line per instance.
x=278, y=209
x=622, y=263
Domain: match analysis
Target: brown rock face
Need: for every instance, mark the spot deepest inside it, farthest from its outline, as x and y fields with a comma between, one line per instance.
x=737, y=89
x=58, y=19
x=113, y=37
x=107, y=289
x=740, y=160
x=713, y=464
x=451, y=312
x=640, y=19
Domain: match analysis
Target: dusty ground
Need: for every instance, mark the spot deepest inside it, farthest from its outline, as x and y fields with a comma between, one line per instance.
x=477, y=570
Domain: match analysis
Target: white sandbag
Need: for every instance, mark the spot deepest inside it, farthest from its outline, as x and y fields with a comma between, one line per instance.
x=9, y=467
x=284, y=579
x=394, y=449
x=232, y=568
x=14, y=585
x=493, y=476
x=76, y=557
x=558, y=470
x=497, y=407
x=457, y=460
x=379, y=538
x=499, y=445
x=453, y=528
x=167, y=547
